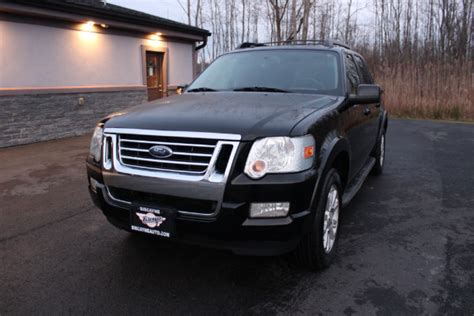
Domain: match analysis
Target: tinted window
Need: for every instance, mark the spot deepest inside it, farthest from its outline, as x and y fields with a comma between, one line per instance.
x=364, y=71
x=299, y=71
x=352, y=74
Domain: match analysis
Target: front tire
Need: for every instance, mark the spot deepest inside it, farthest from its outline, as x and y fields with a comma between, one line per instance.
x=317, y=250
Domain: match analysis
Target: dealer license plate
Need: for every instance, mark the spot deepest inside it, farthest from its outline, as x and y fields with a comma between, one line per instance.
x=152, y=221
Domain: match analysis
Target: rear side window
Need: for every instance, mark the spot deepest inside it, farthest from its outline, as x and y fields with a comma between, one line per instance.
x=364, y=71
x=353, y=79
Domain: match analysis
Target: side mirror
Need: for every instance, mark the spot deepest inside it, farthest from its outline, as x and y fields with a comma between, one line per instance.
x=181, y=88
x=366, y=93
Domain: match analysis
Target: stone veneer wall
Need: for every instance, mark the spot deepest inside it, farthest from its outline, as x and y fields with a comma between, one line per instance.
x=38, y=117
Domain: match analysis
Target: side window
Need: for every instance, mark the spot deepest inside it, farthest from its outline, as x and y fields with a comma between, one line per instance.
x=364, y=71
x=353, y=79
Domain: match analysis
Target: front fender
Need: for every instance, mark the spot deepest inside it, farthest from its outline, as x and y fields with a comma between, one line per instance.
x=329, y=151
x=331, y=148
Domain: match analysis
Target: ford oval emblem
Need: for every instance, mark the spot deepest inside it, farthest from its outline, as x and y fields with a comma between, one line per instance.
x=161, y=152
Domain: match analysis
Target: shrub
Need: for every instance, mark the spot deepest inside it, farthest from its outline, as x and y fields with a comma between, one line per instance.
x=433, y=91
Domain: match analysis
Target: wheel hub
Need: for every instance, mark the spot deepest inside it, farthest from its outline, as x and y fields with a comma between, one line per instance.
x=331, y=219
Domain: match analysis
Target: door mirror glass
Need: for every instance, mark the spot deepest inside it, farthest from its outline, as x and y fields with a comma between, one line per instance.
x=181, y=88
x=366, y=93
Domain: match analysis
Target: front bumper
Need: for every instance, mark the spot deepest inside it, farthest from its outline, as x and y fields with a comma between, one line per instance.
x=226, y=224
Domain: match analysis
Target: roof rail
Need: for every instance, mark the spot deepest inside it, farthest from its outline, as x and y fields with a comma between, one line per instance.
x=327, y=43
x=250, y=45
x=338, y=43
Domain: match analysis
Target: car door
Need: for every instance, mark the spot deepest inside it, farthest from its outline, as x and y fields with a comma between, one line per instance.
x=372, y=111
x=355, y=120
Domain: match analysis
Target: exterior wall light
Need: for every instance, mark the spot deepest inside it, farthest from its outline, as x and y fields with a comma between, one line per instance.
x=88, y=31
x=156, y=36
x=155, y=40
x=88, y=26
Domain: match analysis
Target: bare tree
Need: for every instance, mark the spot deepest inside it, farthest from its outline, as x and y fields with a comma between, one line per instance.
x=305, y=20
x=277, y=12
x=415, y=46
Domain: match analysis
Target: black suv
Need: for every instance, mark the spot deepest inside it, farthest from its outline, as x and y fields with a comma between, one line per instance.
x=259, y=154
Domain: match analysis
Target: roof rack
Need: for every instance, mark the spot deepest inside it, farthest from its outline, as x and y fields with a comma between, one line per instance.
x=327, y=43
x=339, y=43
x=250, y=45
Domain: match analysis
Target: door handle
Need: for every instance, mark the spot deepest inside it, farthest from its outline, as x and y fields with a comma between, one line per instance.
x=366, y=111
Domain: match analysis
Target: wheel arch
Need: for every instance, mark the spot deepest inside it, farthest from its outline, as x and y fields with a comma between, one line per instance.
x=341, y=163
x=334, y=153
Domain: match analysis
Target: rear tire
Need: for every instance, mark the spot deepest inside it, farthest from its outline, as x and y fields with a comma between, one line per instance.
x=317, y=250
x=379, y=156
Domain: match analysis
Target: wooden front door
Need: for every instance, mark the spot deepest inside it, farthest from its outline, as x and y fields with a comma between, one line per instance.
x=154, y=75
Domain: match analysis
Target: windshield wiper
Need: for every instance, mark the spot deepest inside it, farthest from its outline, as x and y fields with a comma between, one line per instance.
x=262, y=89
x=201, y=89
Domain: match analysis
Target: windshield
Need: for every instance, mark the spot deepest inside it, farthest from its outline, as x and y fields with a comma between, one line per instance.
x=286, y=70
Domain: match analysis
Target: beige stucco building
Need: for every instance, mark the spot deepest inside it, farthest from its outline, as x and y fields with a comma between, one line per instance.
x=64, y=64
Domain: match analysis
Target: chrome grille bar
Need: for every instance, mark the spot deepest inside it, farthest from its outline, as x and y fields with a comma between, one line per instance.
x=174, y=153
x=136, y=153
x=173, y=162
x=164, y=143
x=202, y=135
x=191, y=154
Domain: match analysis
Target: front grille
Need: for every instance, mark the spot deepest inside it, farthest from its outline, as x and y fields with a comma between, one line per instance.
x=190, y=155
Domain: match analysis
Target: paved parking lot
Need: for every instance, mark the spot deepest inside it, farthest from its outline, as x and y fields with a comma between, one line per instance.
x=407, y=243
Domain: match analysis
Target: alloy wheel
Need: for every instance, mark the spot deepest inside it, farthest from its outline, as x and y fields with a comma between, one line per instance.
x=331, y=219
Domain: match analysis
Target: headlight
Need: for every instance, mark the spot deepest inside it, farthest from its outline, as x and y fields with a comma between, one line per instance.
x=96, y=143
x=280, y=155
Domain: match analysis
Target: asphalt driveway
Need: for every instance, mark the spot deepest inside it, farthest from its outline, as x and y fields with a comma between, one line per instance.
x=407, y=243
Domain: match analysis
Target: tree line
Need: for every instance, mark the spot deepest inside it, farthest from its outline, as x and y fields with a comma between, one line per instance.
x=421, y=51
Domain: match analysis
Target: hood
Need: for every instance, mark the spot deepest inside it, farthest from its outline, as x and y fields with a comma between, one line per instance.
x=249, y=114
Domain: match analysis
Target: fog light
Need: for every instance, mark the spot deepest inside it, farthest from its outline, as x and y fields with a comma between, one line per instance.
x=278, y=209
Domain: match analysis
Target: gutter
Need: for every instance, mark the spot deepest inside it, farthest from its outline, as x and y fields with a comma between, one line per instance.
x=204, y=43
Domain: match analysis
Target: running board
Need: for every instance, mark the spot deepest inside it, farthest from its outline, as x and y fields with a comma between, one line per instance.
x=357, y=182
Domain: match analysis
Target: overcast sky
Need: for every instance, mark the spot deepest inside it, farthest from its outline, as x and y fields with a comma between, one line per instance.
x=169, y=9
